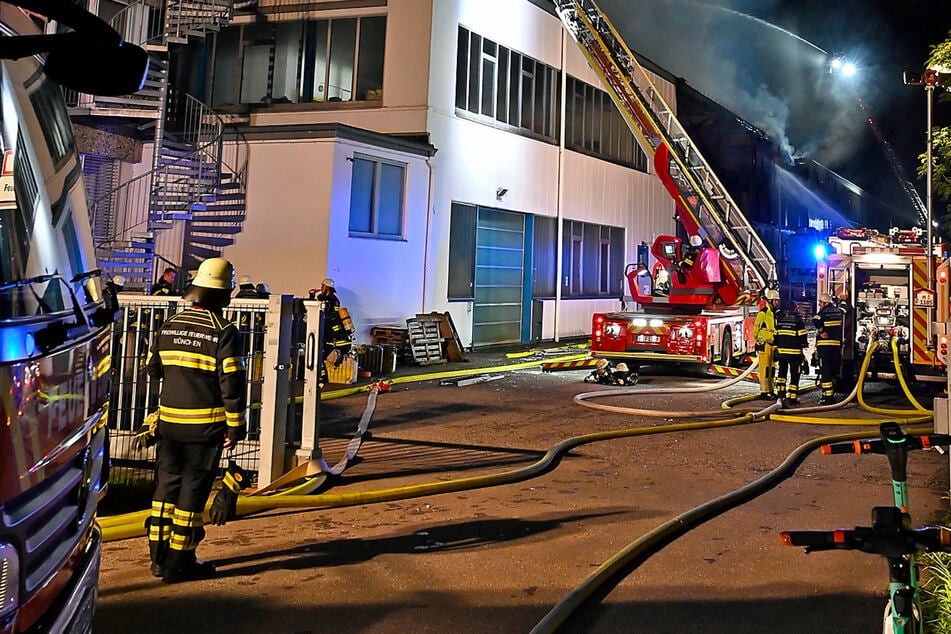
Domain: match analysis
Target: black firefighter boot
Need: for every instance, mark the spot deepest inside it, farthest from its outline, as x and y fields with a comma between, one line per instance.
x=182, y=565
x=158, y=552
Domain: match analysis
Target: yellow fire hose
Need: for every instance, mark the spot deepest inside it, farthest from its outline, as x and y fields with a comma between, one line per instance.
x=132, y=524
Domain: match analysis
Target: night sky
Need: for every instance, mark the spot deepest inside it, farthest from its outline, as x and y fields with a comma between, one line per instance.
x=767, y=61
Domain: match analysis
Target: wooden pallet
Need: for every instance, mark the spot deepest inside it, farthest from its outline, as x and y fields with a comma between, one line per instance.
x=389, y=336
x=454, y=348
x=425, y=340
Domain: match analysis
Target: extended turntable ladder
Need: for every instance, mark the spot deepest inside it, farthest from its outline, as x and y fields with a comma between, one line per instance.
x=704, y=205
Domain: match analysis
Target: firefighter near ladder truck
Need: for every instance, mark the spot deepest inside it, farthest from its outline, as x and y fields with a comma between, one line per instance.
x=695, y=299
x=881, y=281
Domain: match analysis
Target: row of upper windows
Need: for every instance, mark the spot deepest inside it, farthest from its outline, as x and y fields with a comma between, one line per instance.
x=340, y=60
x=500, y=86
x=305, y=61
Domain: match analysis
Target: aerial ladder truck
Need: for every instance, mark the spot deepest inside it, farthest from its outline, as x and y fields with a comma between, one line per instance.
x=696, y=300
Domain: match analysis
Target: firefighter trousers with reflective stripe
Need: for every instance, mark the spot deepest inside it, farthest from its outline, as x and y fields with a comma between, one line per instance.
x=830, y=365
x=792, y=366
x=765, y=359
x=186, y=474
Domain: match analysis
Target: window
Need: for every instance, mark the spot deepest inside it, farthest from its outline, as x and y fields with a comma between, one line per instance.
x=593, y=125
x=376, y=198
x=497, y=84
x=54, y=121
x=302, y=61
x=593, y=260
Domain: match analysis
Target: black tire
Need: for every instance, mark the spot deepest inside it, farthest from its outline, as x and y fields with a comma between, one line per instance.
x=726, y=348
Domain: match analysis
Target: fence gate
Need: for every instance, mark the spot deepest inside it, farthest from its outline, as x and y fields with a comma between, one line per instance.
x=274, y=334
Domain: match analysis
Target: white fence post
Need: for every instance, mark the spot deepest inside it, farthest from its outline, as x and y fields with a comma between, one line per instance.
x=313, y=358
x=275, y=390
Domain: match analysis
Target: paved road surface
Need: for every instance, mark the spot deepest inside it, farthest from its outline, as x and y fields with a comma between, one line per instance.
x=498, y=559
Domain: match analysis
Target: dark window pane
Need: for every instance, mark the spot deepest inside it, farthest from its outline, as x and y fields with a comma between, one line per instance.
x=544, y=257
x=515, y=98
x=389, y=215
x=501, y=91
x=343, y=44
x=370, y=61
x=475, y=54
x=528, y=83
x=227, y=73
x=488, y=87
x=462, y=68
x=361, y=196
x=540, y=94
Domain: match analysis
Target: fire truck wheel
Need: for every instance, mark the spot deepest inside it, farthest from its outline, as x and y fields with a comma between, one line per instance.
x=726, y=348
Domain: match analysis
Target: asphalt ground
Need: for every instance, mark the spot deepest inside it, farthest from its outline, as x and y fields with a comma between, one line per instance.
x=499, y=558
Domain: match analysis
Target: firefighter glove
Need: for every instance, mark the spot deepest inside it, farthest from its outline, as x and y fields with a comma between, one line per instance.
x=223, y=507
x=147, y=434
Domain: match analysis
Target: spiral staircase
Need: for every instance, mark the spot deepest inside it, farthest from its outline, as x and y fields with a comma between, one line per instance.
x=191, y=203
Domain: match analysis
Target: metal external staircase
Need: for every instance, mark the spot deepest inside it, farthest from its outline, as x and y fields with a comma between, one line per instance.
x=191, y=203
x=703, y=203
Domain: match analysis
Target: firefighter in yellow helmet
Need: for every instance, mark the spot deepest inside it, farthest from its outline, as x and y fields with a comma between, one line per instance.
x=197, y=354
x=764, y=330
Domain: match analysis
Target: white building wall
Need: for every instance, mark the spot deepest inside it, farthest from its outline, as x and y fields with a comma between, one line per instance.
x=474, y=159
x=284, y=239
x=297, y=229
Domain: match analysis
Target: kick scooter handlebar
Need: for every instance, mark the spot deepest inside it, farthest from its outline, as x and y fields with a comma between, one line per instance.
x=889, y=536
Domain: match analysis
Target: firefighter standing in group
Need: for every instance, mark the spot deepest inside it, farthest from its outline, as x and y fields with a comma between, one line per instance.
x=828, y=323
x=764, y=330
x=790, y=340
x=198, y=355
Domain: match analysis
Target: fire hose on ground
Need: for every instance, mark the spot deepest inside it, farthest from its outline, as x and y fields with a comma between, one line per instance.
x=622, y=564
x=132, y=524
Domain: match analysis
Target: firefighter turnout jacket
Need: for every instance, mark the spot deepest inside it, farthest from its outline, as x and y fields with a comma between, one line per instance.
x=198, y=355
x=764, y=326
x=790, y=335
x=828, y=323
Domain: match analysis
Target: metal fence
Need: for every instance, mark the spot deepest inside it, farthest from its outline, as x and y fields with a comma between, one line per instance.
x=281, y=355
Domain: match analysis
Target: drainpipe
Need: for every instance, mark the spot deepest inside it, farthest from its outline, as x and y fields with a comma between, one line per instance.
x=429, y=215
x=561, y=186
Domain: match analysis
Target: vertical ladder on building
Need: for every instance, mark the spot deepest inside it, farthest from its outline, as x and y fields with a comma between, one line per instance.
x=703, y=203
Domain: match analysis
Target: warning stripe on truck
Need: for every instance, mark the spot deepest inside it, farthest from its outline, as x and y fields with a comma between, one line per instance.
x=556, y=366
x=722, y=370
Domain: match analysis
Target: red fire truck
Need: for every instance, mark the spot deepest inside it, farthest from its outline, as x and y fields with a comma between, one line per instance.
x=54, y=327
x=695, y=301
x=883, y=282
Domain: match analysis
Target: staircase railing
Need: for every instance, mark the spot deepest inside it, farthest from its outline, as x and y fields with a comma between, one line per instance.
x=148, y=23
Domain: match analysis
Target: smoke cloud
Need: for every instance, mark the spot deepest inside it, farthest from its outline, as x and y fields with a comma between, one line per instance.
x=765, y=74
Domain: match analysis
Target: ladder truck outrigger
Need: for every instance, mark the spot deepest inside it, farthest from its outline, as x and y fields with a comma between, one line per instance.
x=700, y=313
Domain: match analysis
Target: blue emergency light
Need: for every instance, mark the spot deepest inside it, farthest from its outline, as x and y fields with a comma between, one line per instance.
x=820, y=251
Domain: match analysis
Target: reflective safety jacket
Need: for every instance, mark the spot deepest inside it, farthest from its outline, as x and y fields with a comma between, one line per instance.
x=335, y=333
x=198, y=355
x=790, y=335
x=828, y=323
x=764, y=326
